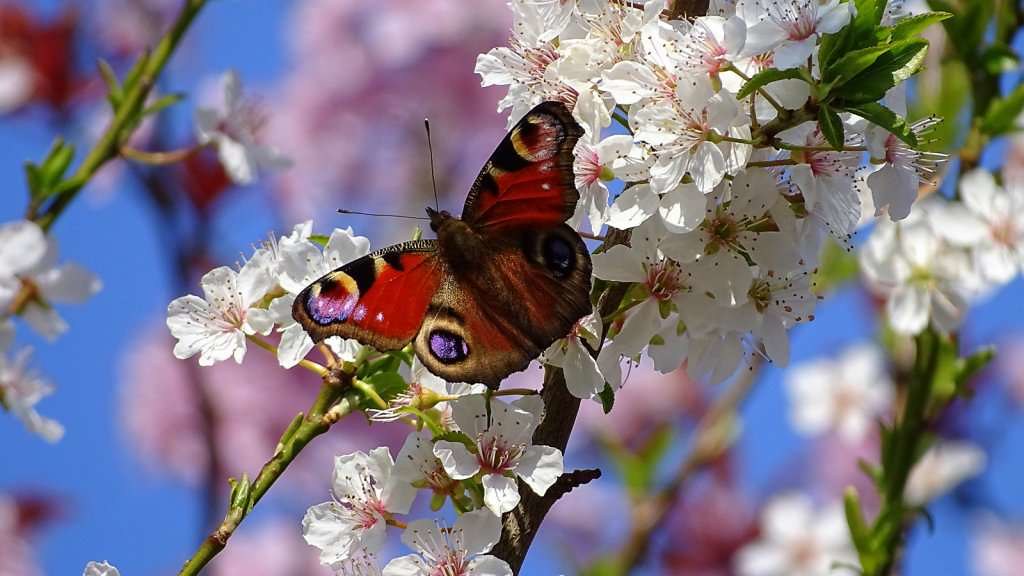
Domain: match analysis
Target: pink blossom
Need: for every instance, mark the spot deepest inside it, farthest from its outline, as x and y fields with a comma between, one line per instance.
x=252, y=403
x=350, y=123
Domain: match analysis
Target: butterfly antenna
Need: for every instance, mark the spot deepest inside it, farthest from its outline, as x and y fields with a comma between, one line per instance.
x=344, y=211
x=430, y=151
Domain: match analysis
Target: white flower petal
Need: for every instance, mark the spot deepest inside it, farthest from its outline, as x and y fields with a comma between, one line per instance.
x=457, y=460
x=500, y=493
x=540, y=467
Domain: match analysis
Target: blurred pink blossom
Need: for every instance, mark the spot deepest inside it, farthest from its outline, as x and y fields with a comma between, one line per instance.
x=647, y=400
x=128, y=26
x=365, y=74
x=1010, y=362
x=833, y=463
x=998, y=548
x=699, y=547
x=16, y=557
x=251, y=403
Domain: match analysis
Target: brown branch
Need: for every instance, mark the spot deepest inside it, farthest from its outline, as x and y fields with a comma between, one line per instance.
x=561, y=408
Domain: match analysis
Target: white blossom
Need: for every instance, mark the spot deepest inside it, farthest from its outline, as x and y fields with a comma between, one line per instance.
x=846, y=394
x=28, y=267
x=21, y=389
x=459, y=551
x=797, y=540
x=791, y=28
x=100, y=569
x=216, y=325
x=502, y=449
x=425, y=392
x=365, y=493
x=945, y=465
x=583, y=377
x=989, y=223
x=922, y=276
x=235, y=131
x=417, y=465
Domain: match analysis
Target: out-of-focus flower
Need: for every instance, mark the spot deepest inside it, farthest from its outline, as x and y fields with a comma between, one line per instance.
x=797, y=540
x=989, y=222
x=100, y=569
x=31, y=280
x=16, y=558
x=648, y=401
x=36, y=59
x=21, y=389
x=845, y=395
x=364, y=495
x=249, y=405
x=921, y=275
x=698, y=547
x=503, y=449
x=215, y=326
x=998, y=548
x=236, y=131
x=128, y=26
x=204, y=179
x=459, y=551
x=942, y=468
x=353, y=66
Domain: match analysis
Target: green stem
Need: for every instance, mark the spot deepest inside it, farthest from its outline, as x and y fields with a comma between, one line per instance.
x=330, y=400
x=120, y=127
x=905, y=443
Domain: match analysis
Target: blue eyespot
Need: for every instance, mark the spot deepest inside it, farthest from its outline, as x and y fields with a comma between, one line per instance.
x=448, y=347
x=559, y=255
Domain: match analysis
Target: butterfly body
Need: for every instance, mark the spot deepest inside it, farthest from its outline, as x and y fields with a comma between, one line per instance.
x=495, y=288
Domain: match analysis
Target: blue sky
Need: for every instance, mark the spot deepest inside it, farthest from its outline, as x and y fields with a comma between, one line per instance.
x=115, y=509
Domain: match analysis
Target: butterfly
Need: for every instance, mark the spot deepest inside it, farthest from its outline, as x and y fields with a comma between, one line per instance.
x=498, y=285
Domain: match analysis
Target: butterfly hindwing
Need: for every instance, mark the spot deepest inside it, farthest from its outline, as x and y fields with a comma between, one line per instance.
x=474, y=332
x=528, y=180
x=379, y=299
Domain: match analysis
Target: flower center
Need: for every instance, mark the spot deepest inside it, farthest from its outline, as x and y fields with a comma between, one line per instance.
x=1004, y=232
x=497, y=457
x=589, y=166
x=799, y=20
x=453, y=563
x=664, y=279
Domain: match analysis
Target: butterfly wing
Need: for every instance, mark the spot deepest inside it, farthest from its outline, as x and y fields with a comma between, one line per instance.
x=379, y=299
x=528, y=180
x=483, y=325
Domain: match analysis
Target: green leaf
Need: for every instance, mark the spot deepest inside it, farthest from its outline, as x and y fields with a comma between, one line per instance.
x=135, y=72
x=114, y=92
x=835, y=267
x=853, y=63
x=766, y=77
x=387, y=384
x=831, y=126
x=319, y=239
x=56, y=164
x=859, y=533
x=35, y=180
x=638, y=469
x=607, y=397
x=969, y=367
x=1002, y=114
x=913, y=26
x=163, y=102
x=889, y=67
x=459, y=437
x=882, y=116
x=999, y=58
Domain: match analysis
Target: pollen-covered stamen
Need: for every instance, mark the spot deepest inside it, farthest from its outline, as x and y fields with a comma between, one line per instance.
x=587, y=167
x=360, y=504
x=723, y=232
x=664, y=279
x=443, y=549
x=787, y=295
x=825, y=162
x=798, y=18
x=702, y=51
x=925, y=164
x=496, y=455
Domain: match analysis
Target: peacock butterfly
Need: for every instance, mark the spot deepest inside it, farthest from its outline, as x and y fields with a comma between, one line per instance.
x=495, y=288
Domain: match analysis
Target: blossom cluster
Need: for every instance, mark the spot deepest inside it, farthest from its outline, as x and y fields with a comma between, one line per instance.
x=473, y=457
x=931, y=266
x=734, y=164
x=31, y=282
